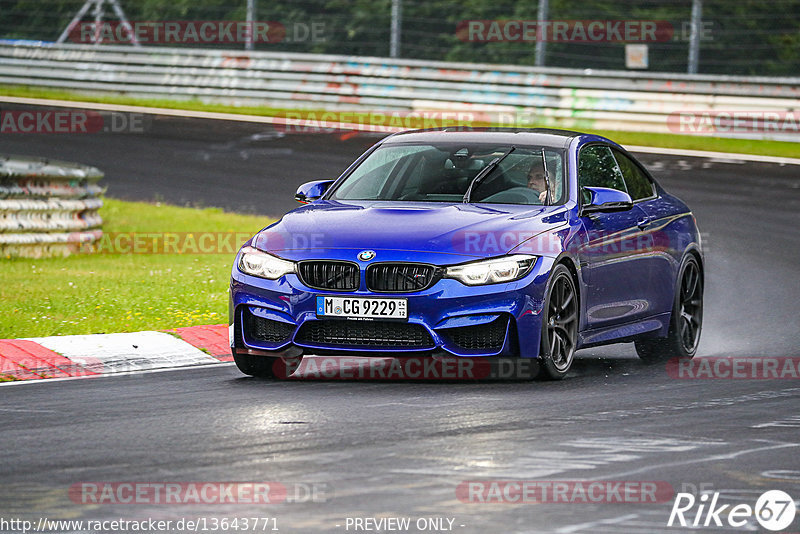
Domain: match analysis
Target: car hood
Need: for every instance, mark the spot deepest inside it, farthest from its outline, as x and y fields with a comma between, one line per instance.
x=467, y=230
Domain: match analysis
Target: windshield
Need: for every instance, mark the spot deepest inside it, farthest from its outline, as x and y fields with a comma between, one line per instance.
x=443, y=173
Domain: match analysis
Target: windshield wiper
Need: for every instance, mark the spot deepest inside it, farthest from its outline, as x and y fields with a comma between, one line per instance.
x=484, y=172
x=546, y=180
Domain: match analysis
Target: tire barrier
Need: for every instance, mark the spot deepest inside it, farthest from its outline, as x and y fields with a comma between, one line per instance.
x=518, y=96
x=48, y=208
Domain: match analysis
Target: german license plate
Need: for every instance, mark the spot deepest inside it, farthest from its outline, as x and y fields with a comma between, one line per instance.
x=362, y=308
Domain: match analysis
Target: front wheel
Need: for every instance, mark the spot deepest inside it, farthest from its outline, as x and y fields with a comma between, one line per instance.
x=559, y=325
x=686, y=320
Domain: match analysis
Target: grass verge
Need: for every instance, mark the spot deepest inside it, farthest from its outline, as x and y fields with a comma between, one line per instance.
x=89, y=294
x=690, y=142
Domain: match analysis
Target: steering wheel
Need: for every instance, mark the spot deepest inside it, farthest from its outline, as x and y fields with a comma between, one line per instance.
x=515, y=195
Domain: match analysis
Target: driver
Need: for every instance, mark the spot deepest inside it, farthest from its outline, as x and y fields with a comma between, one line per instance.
x=536, y=181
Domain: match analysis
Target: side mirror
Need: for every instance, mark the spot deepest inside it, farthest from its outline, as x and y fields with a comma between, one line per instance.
x=311, y=191
x=606, y=200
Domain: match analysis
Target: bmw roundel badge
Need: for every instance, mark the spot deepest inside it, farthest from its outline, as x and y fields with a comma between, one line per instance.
x=366, y=255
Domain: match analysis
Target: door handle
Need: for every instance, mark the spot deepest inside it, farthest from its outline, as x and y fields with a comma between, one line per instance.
x=642, y=223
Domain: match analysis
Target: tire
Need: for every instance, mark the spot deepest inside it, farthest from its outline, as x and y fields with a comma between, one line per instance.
x=560, y=316
x=686, y=320
x=265, y=366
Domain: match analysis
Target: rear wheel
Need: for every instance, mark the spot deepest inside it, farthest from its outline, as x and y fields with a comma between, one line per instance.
x=559, y=325
x=686, y=321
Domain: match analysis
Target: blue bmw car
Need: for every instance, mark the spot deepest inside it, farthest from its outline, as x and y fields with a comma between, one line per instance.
x=514, y=243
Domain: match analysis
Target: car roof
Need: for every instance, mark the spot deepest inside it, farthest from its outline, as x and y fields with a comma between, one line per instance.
x=546, y=137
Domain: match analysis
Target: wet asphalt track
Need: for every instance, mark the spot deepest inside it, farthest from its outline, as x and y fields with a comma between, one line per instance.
x=401, y=449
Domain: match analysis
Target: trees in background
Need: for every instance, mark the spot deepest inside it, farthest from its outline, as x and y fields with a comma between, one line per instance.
x=747, y=37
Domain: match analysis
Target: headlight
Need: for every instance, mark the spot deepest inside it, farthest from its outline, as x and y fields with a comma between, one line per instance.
x=257, y=263
x=503, y=269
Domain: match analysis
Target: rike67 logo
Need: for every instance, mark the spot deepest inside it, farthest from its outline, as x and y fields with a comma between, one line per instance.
x=774, y=510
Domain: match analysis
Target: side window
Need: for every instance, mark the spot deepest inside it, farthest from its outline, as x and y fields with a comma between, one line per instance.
x=598, y=168
x=639, y=185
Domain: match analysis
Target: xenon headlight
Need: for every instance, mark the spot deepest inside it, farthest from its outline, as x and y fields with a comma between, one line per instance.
x=257, y=263
x=493, y=271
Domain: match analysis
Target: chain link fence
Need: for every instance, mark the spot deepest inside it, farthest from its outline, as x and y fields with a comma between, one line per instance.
x=743, y=37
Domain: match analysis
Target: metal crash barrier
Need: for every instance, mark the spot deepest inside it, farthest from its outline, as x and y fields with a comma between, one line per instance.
x=47, y=207
x=572, y=98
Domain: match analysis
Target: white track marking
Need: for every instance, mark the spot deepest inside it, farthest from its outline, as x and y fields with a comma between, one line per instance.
x=728, y=157
x=135, y=351
x=126, y=373
x=185, y=113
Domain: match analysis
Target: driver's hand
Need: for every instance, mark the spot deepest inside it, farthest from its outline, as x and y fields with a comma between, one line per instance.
x=542, y=196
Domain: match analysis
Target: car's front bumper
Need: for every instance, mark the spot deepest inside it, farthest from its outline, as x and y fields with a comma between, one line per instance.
x=279, y=317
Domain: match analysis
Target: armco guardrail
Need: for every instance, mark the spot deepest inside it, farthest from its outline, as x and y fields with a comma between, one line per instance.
x=47, y=208
x=546, y=96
